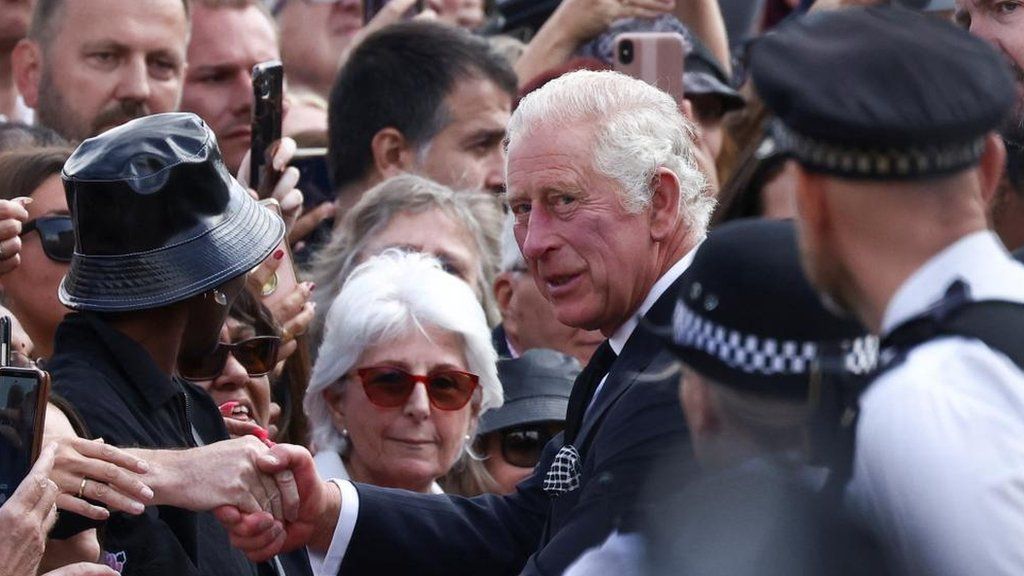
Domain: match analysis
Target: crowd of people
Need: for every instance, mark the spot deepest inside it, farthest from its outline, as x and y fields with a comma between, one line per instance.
x=545, y=317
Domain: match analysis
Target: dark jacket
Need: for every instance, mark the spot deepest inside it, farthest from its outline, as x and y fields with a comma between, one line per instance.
x=126, y=399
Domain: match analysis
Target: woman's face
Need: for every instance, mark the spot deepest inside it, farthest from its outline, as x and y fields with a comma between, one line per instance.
x=431, y=232
x=252, y=393
x=31, y=288
x=412, y=445
x=523, y=446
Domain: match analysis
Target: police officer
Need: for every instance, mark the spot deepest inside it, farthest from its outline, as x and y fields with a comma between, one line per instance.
x=890, y=117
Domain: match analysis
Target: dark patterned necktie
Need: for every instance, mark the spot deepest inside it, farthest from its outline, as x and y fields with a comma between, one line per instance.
x=564, y=474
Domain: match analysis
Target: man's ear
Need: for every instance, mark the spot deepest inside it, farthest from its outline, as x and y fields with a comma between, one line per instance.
x=812, y=204
x=27, y=62
x=502, y=291
x=698, y=405
x=392, y=154
x=991, y=168
x=336, y=404
x=665, y=217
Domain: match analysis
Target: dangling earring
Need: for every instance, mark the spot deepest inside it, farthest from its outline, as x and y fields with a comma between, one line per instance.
x=467, y=447
x=220, y=298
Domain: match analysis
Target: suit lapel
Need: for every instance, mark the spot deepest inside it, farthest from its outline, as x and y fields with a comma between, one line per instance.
x=640, y=349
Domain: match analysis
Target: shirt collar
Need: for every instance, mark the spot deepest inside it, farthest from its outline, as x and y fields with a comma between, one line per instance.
x=621, y=335
x=970, y=259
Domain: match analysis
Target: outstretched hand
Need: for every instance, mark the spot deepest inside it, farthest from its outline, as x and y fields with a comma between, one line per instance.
x=260, y=536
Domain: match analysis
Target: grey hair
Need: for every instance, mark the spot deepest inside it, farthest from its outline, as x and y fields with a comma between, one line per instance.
x=479, y=212
x=511, y=256
x=775, y=424
x=387, y=297
x=637, y=129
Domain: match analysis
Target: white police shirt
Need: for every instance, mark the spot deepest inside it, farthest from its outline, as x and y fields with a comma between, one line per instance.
x=939, y=464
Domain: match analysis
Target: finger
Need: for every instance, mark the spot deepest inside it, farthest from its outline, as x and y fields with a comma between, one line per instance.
x=262, y=273
x=243, y=170
x=289, y=494
x=10, y=247
x=271, y=498
x=82, y=508
x=101, y=450
x=10, y=227
x=300, y=322
x=83, y=569
x=655, y=6
x=292, y=304
x=8, y=264
x=288, y=195
x=37, y=492
x=101, y=464
x=15, y=208
x=237, y=428
x=229, y=516
x=262, y=547
x=283, y=154
x=286, y=349
x=310, y=221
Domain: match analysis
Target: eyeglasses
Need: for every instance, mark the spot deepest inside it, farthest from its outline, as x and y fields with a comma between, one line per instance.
x=389, y=387
x=57, y=234
x=257, y=355
x=522, y=446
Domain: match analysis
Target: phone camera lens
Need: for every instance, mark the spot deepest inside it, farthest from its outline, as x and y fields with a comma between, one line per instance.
x=626, y=52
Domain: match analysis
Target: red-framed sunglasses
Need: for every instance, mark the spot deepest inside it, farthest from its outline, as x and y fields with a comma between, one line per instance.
x=390, y=387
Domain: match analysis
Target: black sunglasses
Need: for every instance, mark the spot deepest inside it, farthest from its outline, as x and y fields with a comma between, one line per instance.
x=522, y=446
x=257, y=355
x=57, y=234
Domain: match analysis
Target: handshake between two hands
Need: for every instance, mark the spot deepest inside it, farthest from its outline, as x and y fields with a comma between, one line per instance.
x=307, y=516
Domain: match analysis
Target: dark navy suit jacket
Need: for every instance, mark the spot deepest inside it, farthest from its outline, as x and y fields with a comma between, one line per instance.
x=633, y=423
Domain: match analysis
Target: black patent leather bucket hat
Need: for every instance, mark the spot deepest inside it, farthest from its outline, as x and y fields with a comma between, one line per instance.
x=158, y=217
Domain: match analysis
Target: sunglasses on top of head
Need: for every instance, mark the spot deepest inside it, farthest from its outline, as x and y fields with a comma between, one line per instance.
x=257, y=355
x=390, y=387
x=57, y=235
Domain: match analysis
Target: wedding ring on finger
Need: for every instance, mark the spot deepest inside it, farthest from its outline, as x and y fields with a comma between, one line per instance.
x=81, y=488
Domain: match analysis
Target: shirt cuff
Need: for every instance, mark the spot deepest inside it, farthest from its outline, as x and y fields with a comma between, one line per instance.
x=330, y=564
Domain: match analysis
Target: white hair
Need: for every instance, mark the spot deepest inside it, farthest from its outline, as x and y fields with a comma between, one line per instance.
x=637, y=130
x=385, y=298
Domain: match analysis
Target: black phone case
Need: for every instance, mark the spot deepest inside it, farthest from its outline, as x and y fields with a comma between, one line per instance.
x=268, y=97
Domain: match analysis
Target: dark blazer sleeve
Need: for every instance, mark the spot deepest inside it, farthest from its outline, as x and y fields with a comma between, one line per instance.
x=401, y=532
x=644, y=427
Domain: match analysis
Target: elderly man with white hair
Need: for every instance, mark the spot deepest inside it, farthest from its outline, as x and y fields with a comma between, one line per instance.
x=609, y=207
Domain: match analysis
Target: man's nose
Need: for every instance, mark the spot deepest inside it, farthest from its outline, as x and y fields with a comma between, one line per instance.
x=133, y=83
x=535, y=235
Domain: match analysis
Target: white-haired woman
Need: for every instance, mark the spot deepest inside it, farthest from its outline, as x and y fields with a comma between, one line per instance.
x=404, y=372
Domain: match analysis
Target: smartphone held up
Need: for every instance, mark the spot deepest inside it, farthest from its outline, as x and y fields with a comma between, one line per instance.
x=657, y=58
x=24, y=392
x=267, y=114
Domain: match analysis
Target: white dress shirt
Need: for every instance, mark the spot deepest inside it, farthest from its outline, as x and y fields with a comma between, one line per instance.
x=331, y=562
x=939, y=464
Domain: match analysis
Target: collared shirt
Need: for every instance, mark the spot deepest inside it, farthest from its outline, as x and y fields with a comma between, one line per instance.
x=126, y=399
x=330, y=563
x=939, y=461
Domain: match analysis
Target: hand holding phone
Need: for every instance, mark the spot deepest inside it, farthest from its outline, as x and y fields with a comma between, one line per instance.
x=23, y=396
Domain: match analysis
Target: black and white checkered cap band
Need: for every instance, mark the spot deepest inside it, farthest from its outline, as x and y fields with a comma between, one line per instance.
x=880, y=163
x=764, y=356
